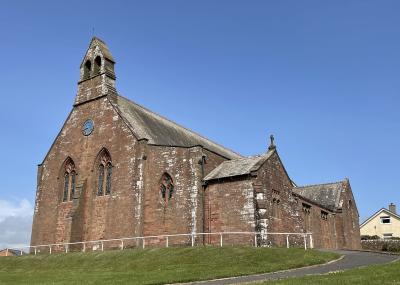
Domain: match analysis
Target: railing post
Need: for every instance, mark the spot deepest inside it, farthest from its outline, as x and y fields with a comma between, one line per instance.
x=144, y=243
x=287, y=241
x=192, y=240
x=102, y=246
x=84, y=247
x=220, y=239
x=21, y=252
x=305, y=242
x=255, y=240
x=311, y=241
x=50, y=249
x=66, y=248
x=35, y=250
x=122, y=244
x=7, y=252
x=166, y=242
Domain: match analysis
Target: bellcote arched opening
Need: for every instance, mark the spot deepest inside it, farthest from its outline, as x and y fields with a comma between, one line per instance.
x=97, y=65
x=87, y=69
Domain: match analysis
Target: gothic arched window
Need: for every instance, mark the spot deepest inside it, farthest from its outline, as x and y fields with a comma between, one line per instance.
x=166, y=187
x=101, y=180
x=104, y=169
x=108, y=178
x=69, y=180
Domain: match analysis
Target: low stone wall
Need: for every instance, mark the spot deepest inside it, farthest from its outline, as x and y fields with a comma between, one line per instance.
x=381, y=245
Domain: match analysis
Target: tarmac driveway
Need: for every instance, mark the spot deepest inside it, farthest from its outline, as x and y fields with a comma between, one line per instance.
x=350, y=260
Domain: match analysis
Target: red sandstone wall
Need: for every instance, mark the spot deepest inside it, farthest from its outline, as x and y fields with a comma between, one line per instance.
x=183, y=213
x=350, y=219
x=230, y=208
x=110, y=216
x=273, y=182
x=323, y=231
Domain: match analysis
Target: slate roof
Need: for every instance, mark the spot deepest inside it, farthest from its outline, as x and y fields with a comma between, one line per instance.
x=238, y=167
x=326, y=195
x=158, y=130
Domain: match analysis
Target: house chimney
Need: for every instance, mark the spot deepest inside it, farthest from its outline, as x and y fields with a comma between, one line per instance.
x=392, y=208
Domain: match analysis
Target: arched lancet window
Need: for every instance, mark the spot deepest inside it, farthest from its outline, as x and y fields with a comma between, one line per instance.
x=276, y=208
x=166, y=187
x=87, y=69
x=108, y=179
x=69, y=180
x=72, y=192
x=101, y=180
x=66, y=187
x=104, y=178
x=97, y=65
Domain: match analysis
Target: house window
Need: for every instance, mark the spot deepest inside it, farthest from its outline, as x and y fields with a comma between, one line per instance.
x=385, y=220
x=387, y=236
x=69, y=180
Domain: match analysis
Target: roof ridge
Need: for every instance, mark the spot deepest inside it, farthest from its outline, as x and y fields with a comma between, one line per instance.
x=319, y=184
x=376, y=213
x=180, y=126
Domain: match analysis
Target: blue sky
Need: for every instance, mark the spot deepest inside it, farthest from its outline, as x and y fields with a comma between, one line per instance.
x=322, y=76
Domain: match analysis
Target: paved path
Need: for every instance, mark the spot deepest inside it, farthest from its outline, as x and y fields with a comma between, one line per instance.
x=350, y=260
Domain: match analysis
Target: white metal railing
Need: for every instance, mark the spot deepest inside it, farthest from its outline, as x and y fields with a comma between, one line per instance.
x=260, y=239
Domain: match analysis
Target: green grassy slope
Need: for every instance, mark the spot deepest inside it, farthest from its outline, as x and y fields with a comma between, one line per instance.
x=153, y=266
x=387, y=274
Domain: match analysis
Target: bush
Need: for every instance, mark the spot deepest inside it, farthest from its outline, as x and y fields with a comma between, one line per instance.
x=367, y=237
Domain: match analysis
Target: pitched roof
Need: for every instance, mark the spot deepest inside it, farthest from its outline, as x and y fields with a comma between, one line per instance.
x=11, y=251
x=103, y=48
x=379, y=212
x=158, y=130
x=237, y=167
x=326, y=195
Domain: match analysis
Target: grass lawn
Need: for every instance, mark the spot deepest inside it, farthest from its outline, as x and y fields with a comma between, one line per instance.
x=386, y=274
x=153, y=266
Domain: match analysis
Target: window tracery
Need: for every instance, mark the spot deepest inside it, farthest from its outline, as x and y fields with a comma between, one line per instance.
x=69, y=180
x=104, y=170
x=166, y=187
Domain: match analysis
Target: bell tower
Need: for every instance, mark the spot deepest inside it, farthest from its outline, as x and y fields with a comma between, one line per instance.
x=97, y=76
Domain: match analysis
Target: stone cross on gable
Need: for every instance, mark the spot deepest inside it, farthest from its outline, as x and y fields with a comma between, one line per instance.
x=272, y=145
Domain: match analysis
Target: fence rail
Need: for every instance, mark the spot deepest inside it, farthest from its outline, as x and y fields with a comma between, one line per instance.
x=260, y=239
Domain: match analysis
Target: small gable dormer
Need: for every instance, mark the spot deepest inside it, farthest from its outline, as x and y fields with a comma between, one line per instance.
x=97, y=76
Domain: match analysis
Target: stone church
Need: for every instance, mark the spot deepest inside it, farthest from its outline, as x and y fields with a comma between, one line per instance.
x=117, y=169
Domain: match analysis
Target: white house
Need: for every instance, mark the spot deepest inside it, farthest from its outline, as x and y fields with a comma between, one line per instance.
x=384, y=223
